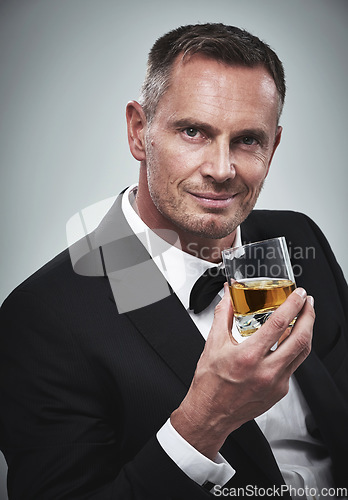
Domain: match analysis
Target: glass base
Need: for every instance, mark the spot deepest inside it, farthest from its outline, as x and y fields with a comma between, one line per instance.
x=249, y=323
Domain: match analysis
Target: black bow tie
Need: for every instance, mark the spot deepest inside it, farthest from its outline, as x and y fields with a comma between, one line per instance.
x=206, y=288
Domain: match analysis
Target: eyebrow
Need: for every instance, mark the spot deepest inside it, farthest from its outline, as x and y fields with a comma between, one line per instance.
x=192, y=122
x=257, y=132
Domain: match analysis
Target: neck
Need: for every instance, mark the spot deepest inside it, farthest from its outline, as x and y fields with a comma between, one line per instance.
x=206, y=248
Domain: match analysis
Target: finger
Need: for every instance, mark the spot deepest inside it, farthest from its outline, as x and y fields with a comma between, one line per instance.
x=279, y=321
x=297, y=346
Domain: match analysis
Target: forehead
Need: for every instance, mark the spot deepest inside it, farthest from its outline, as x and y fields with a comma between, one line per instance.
x=210, y=86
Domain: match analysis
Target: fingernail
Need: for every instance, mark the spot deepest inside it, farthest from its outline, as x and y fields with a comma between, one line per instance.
x=301, y=292
x=310, y=300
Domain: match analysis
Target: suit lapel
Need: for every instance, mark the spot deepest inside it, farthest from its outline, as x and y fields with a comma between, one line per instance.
x=149, y=303
x=170, y=331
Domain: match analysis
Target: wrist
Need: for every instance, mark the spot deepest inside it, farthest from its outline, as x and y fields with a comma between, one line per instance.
x=198, y=431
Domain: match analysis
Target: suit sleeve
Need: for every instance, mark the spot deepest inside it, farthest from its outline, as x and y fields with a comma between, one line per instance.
x=60, y=432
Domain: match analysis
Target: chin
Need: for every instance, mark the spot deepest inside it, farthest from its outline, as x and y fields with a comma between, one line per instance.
x=212, y=229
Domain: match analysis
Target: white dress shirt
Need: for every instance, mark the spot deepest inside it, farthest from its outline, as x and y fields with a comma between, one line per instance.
x=302, y=459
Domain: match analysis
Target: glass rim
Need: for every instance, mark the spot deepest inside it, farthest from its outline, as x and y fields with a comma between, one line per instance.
x=279, y=238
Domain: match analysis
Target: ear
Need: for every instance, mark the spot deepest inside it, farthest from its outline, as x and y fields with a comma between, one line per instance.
x=275, y=145
x=136, y=127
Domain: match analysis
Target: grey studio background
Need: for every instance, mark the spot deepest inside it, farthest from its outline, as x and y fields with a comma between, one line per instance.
x=68, y=68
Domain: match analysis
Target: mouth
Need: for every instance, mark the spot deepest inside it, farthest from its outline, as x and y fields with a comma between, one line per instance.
x=213, y=200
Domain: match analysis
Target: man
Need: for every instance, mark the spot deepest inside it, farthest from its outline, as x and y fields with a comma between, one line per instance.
x=108, y=387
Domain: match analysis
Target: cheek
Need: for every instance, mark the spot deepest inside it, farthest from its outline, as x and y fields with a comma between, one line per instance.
x=176, y=166
x=252, y=169
x=164, y=174
x=185, y=158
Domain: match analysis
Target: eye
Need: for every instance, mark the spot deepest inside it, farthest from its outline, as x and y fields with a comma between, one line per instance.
x=249, y=141
x=191, y=132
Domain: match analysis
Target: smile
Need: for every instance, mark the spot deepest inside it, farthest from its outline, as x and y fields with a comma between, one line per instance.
x=213, y=200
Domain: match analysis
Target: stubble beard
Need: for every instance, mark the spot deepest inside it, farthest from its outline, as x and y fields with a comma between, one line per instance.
x=205, y=225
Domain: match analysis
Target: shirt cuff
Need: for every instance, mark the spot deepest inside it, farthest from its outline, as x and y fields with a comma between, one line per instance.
x=195, y=465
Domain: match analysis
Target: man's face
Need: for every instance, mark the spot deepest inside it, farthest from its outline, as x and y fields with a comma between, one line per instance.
x=209, y=146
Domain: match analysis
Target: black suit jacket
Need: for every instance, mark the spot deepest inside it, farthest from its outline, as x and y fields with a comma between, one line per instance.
x=84, y=389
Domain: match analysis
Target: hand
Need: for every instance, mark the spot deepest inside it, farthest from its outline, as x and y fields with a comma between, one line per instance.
x=234, y=383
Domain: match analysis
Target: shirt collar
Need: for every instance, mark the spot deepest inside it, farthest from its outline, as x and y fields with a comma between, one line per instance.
x=180, y=269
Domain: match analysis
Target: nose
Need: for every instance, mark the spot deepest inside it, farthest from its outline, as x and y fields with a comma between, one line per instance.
x=218, y=162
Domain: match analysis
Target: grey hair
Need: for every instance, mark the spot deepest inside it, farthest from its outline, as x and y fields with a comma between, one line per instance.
x=227, y=44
